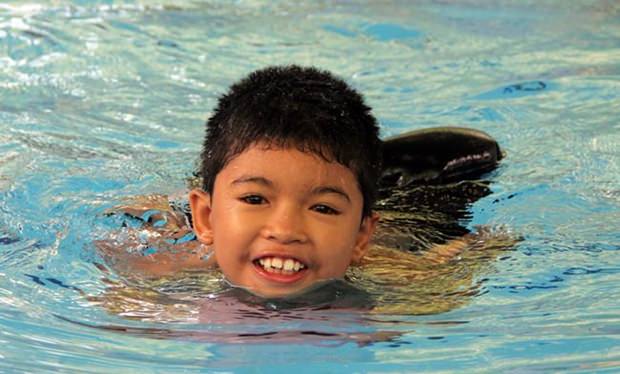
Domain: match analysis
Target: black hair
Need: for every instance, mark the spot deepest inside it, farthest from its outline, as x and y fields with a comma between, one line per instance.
x=300, y=107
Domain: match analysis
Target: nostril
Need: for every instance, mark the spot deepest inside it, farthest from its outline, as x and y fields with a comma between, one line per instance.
x=284, y=237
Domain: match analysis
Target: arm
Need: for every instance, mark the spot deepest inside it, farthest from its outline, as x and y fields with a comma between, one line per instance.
x=159, y=259
x=442, y=253
x=435, y=280
x=164, y=245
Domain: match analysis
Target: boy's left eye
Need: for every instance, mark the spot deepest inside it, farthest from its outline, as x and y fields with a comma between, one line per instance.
x=253, y=199
x=324, y=209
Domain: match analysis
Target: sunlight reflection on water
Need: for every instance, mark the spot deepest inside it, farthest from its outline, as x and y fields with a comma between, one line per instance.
x=102, y=101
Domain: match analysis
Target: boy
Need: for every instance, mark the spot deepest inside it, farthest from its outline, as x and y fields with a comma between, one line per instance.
x=290, y=166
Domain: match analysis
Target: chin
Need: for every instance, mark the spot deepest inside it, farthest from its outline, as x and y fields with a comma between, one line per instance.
x=276, y=292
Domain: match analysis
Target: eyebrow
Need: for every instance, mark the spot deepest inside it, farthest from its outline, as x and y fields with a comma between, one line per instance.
x=331, y=190
x=252, y=179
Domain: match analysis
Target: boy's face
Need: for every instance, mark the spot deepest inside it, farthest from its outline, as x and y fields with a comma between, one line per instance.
x=279, y=220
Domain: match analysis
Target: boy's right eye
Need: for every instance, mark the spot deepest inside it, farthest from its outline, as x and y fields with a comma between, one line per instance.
x=253, y=199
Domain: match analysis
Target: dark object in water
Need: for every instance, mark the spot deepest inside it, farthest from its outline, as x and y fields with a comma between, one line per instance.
x=431, y=177
x=438, y=155
x=526, y=87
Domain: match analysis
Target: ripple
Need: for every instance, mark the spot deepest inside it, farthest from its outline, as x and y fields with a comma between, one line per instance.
x=516, y=90
x=101, y=101
x=387, y=31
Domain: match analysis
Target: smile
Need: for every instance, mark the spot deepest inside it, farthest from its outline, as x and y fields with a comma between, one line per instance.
x=280, y=265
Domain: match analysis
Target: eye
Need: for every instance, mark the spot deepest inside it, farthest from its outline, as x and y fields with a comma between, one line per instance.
x=324, y=209
x=253, y=199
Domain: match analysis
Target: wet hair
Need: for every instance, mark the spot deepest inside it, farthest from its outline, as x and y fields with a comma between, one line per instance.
x=300, y=107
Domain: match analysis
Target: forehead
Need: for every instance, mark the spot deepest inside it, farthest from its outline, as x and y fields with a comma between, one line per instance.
x=290, y=166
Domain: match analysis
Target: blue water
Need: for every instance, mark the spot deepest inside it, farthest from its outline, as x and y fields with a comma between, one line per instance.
x=101, y=100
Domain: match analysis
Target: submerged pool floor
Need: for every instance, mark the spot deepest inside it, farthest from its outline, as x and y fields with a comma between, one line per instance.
x=102, y=101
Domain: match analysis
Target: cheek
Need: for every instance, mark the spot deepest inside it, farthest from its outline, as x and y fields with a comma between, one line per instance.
x=227, y=222
x=336, y=242
x=226, y=238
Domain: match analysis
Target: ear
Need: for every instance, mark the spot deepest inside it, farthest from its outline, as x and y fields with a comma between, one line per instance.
x=364, y=235
x=200, y=204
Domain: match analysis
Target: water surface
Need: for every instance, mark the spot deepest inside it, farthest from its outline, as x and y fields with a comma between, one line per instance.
x=102, y=100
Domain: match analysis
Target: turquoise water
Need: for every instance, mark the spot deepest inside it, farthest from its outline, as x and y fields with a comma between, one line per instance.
x=103, y=100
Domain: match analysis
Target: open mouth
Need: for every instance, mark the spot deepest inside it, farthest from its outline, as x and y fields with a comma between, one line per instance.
x=280, y=265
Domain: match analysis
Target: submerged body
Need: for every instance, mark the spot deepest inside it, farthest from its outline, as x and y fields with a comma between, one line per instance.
x=291, y=169
x=278, y=233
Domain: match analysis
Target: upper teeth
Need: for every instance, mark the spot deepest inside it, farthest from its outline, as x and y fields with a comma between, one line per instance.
x=278, y=263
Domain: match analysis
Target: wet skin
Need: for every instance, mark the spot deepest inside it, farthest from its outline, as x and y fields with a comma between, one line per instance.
x=280, y=220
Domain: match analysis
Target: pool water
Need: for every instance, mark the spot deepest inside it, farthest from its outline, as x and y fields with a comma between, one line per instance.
x=104, y=100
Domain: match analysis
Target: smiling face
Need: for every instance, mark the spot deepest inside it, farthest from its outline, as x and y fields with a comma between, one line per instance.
x=280, y=220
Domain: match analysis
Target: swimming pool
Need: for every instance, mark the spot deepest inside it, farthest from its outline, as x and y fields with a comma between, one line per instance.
x=104, y=100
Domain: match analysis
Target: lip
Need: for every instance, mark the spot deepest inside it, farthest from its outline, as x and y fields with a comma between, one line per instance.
x=279, y=278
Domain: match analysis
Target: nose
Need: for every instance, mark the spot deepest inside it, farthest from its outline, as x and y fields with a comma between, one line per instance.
x=285, y=225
